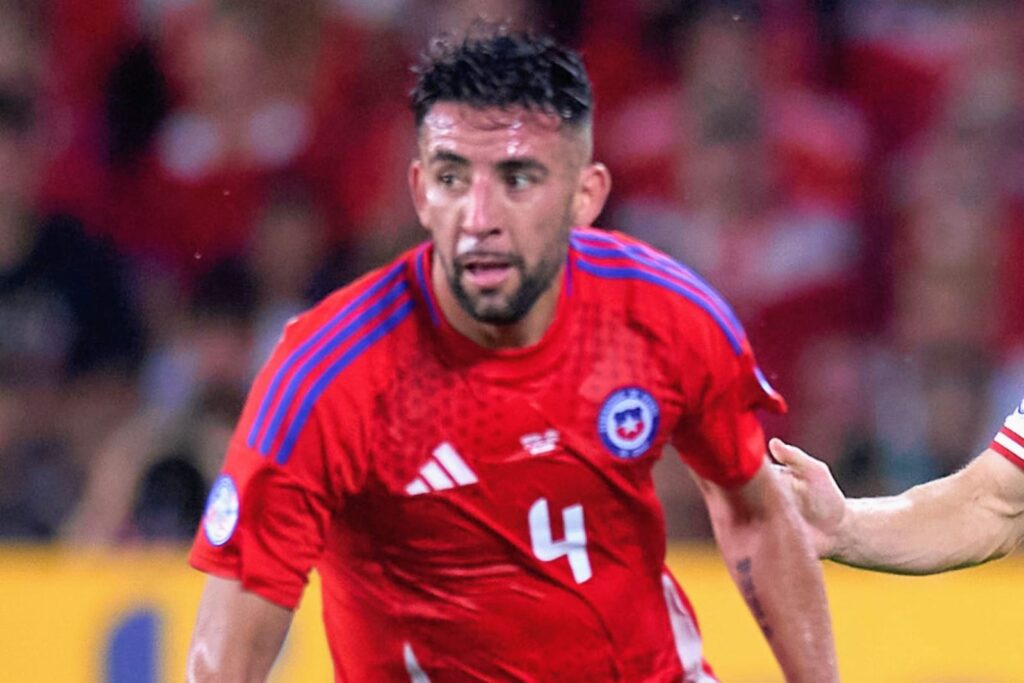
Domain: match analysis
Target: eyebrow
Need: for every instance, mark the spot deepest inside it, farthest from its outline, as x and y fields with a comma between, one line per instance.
x=443, y=156
x=505, y=166
x=527, y=164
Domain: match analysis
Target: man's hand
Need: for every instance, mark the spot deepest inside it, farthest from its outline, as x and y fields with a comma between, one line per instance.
x=819, y=499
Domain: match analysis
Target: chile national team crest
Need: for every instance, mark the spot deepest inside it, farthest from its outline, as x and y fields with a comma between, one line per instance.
x=628, y=422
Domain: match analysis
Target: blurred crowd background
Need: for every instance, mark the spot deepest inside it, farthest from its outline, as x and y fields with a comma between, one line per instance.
x=179, y=177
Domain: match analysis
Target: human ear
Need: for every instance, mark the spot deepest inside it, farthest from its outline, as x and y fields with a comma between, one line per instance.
x=591, y=194
x=418, y=191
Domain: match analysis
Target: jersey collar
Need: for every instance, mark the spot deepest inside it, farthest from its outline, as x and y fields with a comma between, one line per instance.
x=501, y=365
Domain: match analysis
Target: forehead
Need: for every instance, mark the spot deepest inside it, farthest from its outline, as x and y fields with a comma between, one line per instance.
x=491, y=134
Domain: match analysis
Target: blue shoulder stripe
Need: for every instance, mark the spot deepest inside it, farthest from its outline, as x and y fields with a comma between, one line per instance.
x=626, y=273
x=421, y=279
x=365, y=341
x=361, y=321
x=672, y=279
x=665, y=264
x=269, y=398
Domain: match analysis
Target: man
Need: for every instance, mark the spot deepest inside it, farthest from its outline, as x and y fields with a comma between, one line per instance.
x=461, y=443
x=961, y=520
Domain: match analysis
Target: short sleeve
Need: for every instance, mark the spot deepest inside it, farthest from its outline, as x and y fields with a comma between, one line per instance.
x=1009, y=441
x=286, y=474
x=719, y=435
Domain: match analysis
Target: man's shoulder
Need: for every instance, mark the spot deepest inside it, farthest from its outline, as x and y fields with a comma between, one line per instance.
x=623, y=266
x=650, y=284
x=348, y=335
x=355, y=322
x=367, y=299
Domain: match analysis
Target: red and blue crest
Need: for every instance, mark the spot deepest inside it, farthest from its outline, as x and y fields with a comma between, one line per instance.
x=628, y=422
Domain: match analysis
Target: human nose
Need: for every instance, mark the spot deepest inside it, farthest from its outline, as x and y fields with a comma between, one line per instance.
x=480, y=214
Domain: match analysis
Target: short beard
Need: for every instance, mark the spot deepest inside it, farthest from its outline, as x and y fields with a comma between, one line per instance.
x=532, y=285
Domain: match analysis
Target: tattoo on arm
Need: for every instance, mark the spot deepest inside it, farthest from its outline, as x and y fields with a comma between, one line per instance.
x=746, y=581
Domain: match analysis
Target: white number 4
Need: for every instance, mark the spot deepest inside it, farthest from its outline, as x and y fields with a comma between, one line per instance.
x=573, y=546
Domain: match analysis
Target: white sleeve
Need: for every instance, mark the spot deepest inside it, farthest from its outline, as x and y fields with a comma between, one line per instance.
x=1009, y=441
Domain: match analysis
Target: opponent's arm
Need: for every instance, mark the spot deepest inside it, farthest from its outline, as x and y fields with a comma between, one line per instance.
x=237, y=636
x=958, y=521
x=772, y=563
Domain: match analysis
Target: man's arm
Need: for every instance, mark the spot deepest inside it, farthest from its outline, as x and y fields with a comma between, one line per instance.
x=237, y=636
x=772, y=563
x=958, y=521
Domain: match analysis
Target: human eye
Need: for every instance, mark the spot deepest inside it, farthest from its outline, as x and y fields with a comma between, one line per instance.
x=519, y=180
x=448, y=178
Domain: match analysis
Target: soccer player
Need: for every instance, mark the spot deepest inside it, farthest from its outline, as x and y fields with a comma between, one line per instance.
x=967, y=518
x=461, y=442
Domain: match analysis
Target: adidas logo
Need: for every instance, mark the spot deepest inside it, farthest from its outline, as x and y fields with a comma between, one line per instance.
x=444, y=470
x=539, y=444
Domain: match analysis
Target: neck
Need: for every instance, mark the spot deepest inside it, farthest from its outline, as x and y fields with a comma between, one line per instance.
x=527, y=331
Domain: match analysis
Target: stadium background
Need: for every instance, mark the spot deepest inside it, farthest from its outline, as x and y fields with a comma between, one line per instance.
x=178, y=177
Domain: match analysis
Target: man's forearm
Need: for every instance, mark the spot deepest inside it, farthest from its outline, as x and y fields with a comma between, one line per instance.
x=772, y=562
x=237, y=636
x=958, y=521
x=781, y=581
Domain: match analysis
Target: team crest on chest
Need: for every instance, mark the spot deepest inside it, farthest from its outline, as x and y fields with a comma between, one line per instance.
x=628, y=422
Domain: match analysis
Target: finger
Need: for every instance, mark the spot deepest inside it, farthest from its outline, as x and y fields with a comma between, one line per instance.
x=793, y=482
x=790, y=456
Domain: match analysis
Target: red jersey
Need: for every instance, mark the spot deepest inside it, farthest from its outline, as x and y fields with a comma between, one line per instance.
x=1009, y=441
x=489, y=514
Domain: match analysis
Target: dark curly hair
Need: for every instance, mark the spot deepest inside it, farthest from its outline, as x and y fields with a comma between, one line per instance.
x=495, y=67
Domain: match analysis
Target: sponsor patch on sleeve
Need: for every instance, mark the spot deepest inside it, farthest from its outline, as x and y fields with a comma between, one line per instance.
x=221, y=516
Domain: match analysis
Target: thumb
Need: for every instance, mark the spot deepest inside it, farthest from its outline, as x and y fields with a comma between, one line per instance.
x=790, y=456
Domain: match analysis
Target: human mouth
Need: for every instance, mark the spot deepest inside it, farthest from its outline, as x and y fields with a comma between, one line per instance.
x=486, y=272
